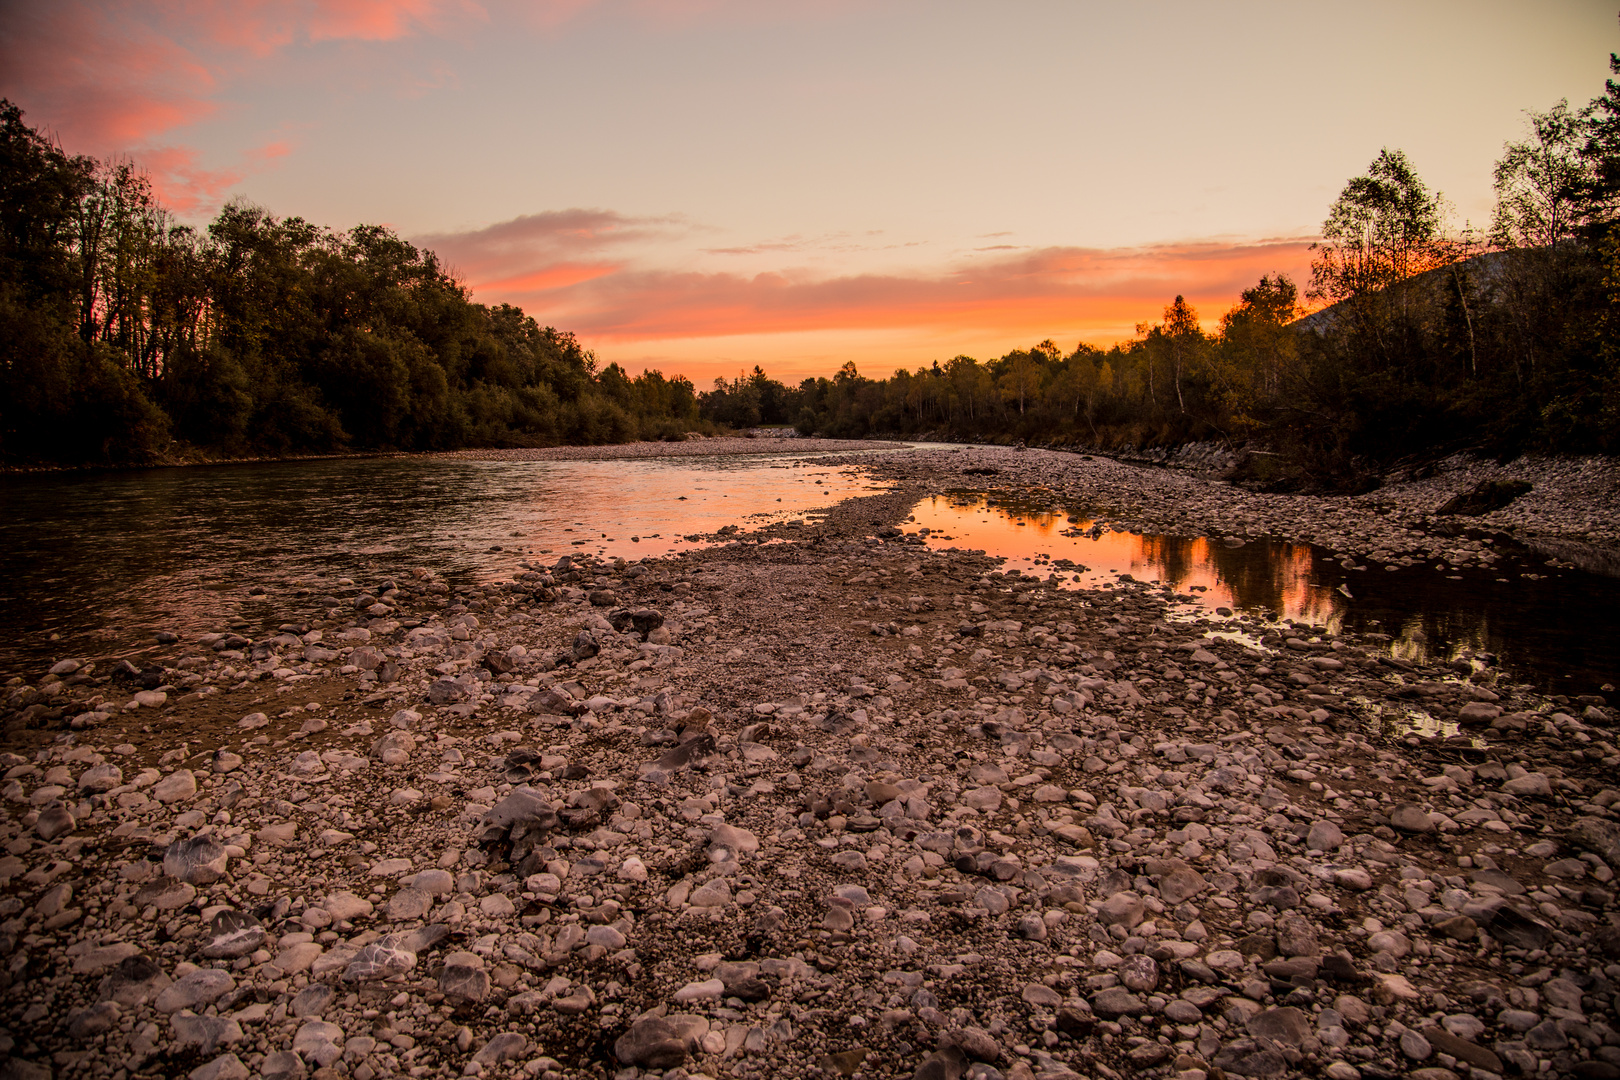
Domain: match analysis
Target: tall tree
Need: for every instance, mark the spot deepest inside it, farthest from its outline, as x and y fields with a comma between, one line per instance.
x=1383, y=228
x=1544, y=183
x=1602, y=149
x=1185, y=339
x=1258, y=347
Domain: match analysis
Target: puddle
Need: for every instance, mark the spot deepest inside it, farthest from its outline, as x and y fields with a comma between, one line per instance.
x=1554, y=626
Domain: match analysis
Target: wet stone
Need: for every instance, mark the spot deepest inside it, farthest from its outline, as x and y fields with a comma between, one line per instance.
x=312, y=1001
x=381, y=959
x=464, y=977
x=318, y=1042
x=1411, y=818
x=1286, y=1025
x=54, y=821
x=197, y=860
x=230, y=934
x=409, y=904
x=1139, y=973
x=652, y=1042
x=206, y=1033
x=1115, y=1002
x=195, y=989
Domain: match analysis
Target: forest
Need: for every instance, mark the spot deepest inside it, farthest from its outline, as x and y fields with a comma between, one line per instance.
x=1411, y=339
x=129, y=338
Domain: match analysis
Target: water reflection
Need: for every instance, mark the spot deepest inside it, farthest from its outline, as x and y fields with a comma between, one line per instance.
x=1557, y=628
x=103, y=560
x=1262, y=576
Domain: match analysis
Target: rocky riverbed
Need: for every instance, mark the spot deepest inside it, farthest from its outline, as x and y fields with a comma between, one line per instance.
x=833, y=804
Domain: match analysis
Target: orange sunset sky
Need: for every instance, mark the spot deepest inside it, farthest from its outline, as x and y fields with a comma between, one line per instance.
x=704, y=185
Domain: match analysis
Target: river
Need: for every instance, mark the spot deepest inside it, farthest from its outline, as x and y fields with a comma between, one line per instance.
x=94, y=564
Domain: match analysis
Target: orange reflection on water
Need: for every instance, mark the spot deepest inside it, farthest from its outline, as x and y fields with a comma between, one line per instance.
x=1267, y=576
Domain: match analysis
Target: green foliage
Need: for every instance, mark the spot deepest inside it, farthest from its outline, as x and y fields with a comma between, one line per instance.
x=122, y=332
x=1543, y=184
x=1382, y=229
x=1602, y=149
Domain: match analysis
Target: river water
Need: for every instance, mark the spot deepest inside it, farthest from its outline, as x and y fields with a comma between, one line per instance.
x=94, y=564
x=102, y=561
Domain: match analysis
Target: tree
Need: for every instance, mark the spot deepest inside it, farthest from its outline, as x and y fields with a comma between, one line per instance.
x=967, y=381
x=1185, y=339
x=1602, y=149
x=1048, y=351
x=1257, y=342
x=1383, y=228
x=1021, y=375
x=1147, y=348
x=1544, y=184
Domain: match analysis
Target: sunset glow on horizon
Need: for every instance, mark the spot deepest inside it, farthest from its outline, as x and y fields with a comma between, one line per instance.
x=701, y=186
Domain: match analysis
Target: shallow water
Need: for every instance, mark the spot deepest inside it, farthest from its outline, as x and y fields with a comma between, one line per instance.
x=1560, y=630
x=101, y=561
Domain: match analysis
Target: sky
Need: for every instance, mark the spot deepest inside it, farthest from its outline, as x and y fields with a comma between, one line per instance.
x=700, y=186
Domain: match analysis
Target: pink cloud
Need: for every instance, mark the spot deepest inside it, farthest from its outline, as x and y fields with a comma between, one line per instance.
x=270, y=151
x=549, y=15
x=542, y=252
x=558, y=276
x=262, y=27
x=111, y=76
x=103, y=80
x=181, y=183
x=1100, y=291
x=372, y=20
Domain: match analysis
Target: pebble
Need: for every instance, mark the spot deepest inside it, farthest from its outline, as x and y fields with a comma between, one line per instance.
x=194, y=989
x=178, y=786
x=196, y=860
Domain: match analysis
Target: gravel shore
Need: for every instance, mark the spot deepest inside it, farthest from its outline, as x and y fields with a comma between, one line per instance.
x=830, y=805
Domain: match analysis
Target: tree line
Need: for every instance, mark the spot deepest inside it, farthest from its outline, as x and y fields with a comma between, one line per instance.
x=1423, y=339
x=126, y=337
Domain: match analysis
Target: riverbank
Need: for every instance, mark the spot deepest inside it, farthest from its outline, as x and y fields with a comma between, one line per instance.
x=834, y=804
x=189, y=459
x=694, y=445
